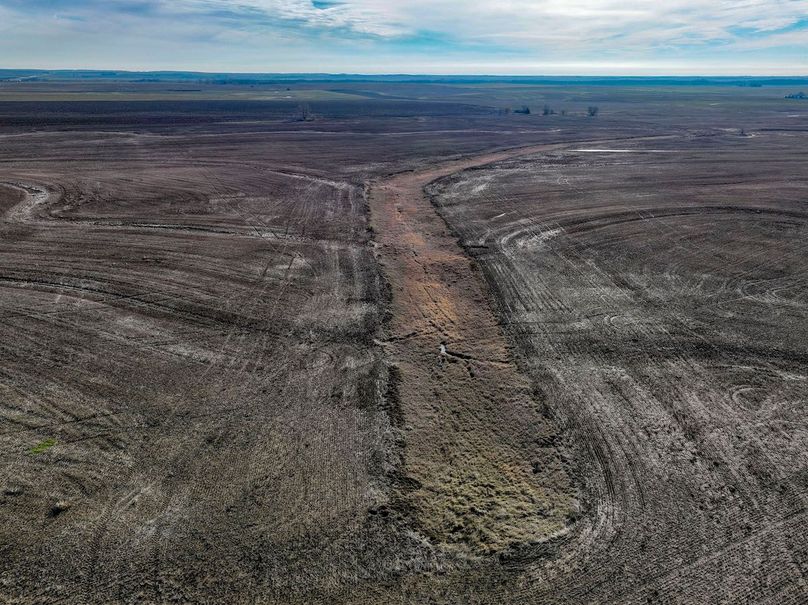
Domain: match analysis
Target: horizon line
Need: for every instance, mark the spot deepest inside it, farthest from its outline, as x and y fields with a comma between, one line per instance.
x=413, y=74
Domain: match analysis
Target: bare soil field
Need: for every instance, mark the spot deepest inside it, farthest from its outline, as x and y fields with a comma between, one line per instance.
x=412, y=349
x=657, y=296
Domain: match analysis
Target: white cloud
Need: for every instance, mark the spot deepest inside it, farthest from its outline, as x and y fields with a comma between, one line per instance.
x=538, y=22
x=383, y=35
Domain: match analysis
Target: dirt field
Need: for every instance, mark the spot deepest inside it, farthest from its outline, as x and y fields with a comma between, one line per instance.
x=248, y=359
x=662, y=319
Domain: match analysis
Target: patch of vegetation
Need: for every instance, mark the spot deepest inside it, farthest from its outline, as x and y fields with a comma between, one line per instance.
x=43, y=446
x=488, y=508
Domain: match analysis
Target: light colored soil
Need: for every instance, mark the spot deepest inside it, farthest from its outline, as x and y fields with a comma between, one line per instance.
x=475, y=437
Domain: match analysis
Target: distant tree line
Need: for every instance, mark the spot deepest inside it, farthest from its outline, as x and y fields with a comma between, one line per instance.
x=591, y=111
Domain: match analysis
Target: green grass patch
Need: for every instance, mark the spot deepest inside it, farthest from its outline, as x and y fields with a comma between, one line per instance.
x=43, y=446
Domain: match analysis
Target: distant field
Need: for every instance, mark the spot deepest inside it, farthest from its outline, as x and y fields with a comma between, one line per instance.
x=642, y=96
x=10, y=91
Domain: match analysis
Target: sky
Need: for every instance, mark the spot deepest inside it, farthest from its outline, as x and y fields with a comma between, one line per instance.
x=508, y=37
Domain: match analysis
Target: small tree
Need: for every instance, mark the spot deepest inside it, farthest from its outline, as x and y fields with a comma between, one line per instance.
x=303, y=112
x=592, y=111
x=547, y=111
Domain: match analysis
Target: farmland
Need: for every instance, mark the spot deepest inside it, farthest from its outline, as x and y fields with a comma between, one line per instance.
x=391, y=342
